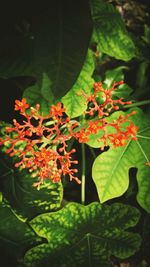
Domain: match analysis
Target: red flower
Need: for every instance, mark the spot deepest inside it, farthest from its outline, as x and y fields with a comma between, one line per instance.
x=57, y=110
x=44, y=155
x=82, y=136
x=93, y=127
x=21, y=105
x=132, y=130
x=118, y=140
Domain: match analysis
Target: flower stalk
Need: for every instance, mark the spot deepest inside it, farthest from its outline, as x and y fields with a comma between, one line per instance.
x=83, y=174
x=137, y=104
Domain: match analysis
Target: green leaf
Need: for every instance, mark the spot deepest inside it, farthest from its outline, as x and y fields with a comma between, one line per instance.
x=110, y=32
x=1, y=197
x=123, y=90
x=111, y=169
x=40, y=94
x=26, y=200
x=74, y=103
x=50, y=43
x=94, y=140
x=84, y=236
x=116, y=75
x=17, y=187
x=15, y=237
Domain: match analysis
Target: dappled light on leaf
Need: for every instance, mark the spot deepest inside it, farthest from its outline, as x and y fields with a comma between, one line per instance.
x=84, y=235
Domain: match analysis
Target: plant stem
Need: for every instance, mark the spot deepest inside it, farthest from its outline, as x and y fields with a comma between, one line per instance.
x=70, y=144
x=83, y=175
x=136, y=104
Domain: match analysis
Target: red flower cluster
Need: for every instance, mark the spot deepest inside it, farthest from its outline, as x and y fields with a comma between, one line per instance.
x=108, y=104
x=99, y=123
x=41, y=142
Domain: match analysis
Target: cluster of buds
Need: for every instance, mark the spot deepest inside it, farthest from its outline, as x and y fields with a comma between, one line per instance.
x=114, y=132
x=40, y=142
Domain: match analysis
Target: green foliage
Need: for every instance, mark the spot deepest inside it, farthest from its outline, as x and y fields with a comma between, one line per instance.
x=110, y=77
x=145, y=237
x=1, y=197
x=17, y=188
x=73, y=102
x=40, y=94
x=84, y=235
x=116, y=75
x=51, y=44
x=111, y=169
x=65, y=48
x=27, y=201
x=110, y=33
x=15, y=237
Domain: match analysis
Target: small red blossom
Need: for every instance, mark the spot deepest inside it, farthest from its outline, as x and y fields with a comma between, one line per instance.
x=118, y=140
x=57, y=110
x=21, y=105
x=132, y=129
x=93, y=127
x=82, y=136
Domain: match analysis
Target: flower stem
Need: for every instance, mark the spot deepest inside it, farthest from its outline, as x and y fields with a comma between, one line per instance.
x=136, y=104
x=83, y=175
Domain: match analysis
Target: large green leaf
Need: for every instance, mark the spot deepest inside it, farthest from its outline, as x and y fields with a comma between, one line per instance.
x=74, y=103
x=110, y=32
x=15, y=237
x=17, y=187
x=40, y=94
x=26, y=200
x=80, y=235
x=111, y=169
x=54, y=42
